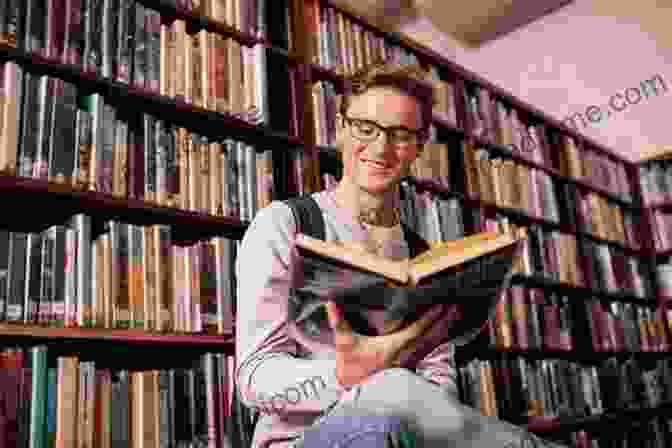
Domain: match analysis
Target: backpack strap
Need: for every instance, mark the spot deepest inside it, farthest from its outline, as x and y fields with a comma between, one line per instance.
x=307, y=216
x=309, y=220
x=416, y=244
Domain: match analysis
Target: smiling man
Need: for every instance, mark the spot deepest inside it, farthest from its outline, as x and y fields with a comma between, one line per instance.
x=403, y=373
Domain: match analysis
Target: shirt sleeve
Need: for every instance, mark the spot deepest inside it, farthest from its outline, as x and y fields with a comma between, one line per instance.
x=270, y=374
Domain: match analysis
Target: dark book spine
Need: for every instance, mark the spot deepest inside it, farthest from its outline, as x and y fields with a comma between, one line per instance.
x=16, y=14
x=83, y=157
x=47, y=276
x=124, y=39
x=46, y=127
x=105, y=174
x=17, y=276
x=149, y=154
x=29, y=124
x=153, y=56
x=4, y=22
x=36, y=27
x=139, y=47
x=5, y=255
x=93, y=29
x=64, y=137
x=57, y=29
x=74, y=32
x=110, y=17
x=58, y=276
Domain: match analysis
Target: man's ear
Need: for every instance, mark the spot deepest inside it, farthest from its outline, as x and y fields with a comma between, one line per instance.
x=340, y=131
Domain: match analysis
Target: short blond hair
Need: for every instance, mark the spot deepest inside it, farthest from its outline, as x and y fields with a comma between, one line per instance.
x=409, y=79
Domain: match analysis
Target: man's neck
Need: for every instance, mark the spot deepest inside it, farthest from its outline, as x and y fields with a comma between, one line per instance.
x=378, y=209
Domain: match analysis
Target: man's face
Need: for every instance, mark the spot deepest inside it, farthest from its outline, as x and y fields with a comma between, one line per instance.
x=379, y=165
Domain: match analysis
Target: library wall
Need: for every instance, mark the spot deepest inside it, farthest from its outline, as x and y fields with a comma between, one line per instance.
x=580, y=56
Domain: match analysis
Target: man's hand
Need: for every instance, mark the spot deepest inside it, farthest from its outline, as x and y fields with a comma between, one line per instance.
x=358, y=356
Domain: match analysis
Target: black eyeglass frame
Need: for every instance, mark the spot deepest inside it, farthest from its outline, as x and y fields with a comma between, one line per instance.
x=420, y=134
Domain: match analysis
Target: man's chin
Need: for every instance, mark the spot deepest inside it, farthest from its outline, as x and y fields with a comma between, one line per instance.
x=380, y=187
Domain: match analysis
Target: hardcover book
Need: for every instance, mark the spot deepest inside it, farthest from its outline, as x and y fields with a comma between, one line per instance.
x=470, y=272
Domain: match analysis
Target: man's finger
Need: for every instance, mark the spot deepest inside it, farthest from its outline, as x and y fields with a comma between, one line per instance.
x=336, y=319
x=418, y=327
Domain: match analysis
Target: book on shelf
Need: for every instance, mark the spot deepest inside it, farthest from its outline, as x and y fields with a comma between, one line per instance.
x=470, y=271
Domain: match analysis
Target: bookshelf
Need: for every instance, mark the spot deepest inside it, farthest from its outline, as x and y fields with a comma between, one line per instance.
x=631, y=319
x=199, y=146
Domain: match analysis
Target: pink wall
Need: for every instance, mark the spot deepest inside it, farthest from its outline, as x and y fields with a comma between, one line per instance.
x=577, y=57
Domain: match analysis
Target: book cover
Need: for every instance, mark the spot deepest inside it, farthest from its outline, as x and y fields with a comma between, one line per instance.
x=471, y=272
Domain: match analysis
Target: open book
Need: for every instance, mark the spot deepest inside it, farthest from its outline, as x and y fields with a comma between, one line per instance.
x=470, y=271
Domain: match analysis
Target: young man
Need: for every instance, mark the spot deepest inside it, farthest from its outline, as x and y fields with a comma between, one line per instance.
x=298, y=372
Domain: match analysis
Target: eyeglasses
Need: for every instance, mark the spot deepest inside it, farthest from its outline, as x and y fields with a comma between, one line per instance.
x=368, y=131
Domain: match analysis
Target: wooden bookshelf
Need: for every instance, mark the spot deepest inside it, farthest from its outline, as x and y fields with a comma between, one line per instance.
x=214, y=125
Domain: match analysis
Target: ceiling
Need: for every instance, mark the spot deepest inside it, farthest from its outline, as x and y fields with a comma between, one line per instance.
x=472, y=22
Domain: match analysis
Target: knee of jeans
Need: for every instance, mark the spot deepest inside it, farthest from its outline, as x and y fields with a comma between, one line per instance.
x=394, y=382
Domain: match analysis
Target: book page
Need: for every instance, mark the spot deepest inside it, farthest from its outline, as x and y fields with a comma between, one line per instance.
x=394, y=270
x=448, y=247
x=447, y=257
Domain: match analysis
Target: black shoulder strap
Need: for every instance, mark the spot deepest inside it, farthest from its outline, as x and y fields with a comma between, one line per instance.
x=416, y=244
x=309, y=220
x=308, y=216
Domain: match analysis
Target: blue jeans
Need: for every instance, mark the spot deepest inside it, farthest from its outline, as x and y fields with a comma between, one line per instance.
x=397, y=401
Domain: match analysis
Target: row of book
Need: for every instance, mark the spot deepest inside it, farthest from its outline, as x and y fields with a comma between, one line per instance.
x=123, y=276
x=562, y=257
x=345, y=45
x=662, y=223
x=492, y=121
x=514, y=388
x=645, y=433
x=534, y=319
x=74, y=402
x=604, y=219
x=90, y=143
x=505, y=183
x=445, y=106
x=247, y=16
x=656, y=181
x=131, y=45
x=595, y=168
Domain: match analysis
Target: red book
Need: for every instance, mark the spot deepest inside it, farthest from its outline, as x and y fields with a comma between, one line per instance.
x=519, y=313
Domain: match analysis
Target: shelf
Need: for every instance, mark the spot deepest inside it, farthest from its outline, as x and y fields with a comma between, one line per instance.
x=445, y=125
x=504, y=151
x=475, y=200
x=663, y=206
x=550, y=425
x=117, y=347
x=51, y=203
x=617, y=244
x=214, y=125
x=537, y=281
x=169, y=9
x=579, y=353
x=661, y=254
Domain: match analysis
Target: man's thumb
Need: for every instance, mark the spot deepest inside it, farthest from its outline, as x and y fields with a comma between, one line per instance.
x=336, y=319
